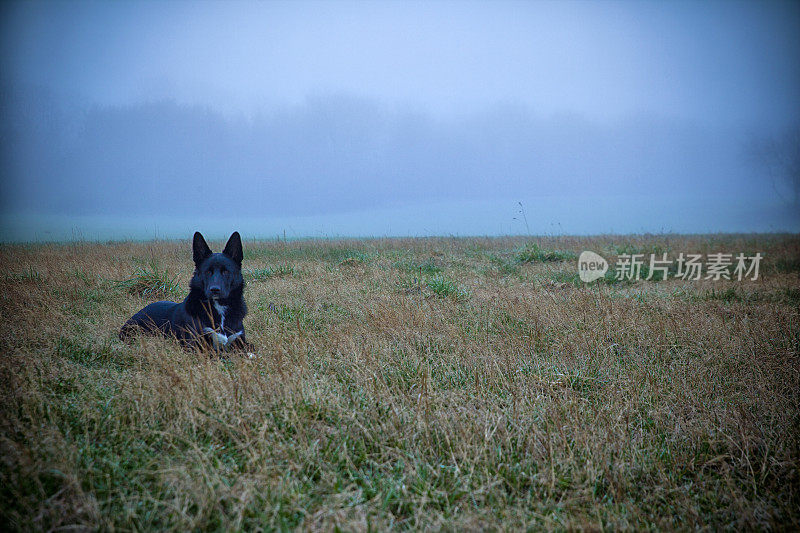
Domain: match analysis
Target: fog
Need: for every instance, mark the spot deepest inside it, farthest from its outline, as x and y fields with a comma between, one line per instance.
x=144, y=119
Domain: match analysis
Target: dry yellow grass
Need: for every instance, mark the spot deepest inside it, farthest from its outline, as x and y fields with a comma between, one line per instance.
x=405, y=383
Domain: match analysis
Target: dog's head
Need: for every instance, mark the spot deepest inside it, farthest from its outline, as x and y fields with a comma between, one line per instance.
x=217, y=275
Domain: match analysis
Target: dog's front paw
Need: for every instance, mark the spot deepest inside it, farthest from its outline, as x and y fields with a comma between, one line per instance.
x=232, y=338
x=219, y=340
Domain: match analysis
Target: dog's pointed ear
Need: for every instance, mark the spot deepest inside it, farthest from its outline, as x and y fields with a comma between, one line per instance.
x=200, y=250
x=234, y=248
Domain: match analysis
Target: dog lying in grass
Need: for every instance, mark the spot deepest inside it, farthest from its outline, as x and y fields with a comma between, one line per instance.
x=210, y=317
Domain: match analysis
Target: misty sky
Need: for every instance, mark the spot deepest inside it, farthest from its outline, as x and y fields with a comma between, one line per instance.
x=142, y=119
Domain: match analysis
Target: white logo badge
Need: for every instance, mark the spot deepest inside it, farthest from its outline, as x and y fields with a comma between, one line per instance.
x=591, y=266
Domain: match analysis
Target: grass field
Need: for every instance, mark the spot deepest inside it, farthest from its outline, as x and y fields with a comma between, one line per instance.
x=438, y=383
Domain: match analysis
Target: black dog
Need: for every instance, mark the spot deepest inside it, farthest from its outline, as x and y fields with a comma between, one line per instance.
x=211, y=316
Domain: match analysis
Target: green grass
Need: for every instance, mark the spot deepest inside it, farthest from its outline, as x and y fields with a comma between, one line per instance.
x=503, y=265
x=787, y=264
x=790, y=295
x=609, y=278
x=428, y=267
x=532, y=253
x=727, y=295
x=29, y=275
x=264, y=273
x=444, y=287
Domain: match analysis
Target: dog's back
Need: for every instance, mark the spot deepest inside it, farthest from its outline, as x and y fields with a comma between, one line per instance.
x=158, y=316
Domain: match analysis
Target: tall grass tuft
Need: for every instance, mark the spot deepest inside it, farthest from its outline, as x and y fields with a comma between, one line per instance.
x=532, y=253
x=444, y=287
x=151, y=280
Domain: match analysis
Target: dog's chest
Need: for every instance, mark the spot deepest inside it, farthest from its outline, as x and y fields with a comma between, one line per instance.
x=221, y=309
